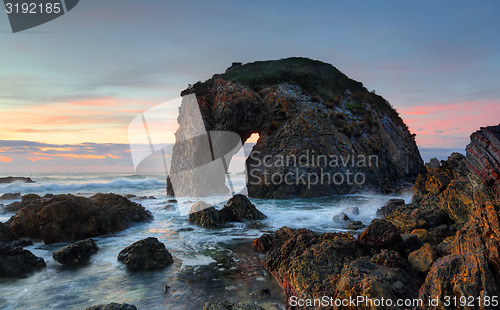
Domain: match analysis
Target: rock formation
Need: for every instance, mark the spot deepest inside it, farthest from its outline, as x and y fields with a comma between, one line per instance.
x=68, y=217
x=347, y=136
x=146, y=254
x=16, y=261
x=450, y=244
x=237, y=209
x=76, y=253
x=483, y=156
x=16, y=179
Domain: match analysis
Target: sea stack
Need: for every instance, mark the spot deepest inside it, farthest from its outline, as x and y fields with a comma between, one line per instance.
x=320, y=132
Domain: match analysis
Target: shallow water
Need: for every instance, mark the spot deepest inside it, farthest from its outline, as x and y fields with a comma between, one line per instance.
x=209, y=264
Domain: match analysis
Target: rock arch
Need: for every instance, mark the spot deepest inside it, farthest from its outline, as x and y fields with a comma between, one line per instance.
x=325, y=120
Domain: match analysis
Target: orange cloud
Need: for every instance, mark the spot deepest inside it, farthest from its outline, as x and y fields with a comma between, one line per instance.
x=71, y=156
x=112, y=156
x=100, y=102
x=60, y=149
x=100, y=120
x=5, y=159
x=35, y=159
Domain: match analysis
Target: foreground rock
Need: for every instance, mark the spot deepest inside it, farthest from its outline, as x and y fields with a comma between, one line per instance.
x=298, y=106
x=16, y=261
x=227, y=305
x=204, y=215
x=68, y=217
x=306, y=263
x=381, y=235
x=76, y=253
x=450, y=244
x=237, y=209
x=483, y=154
x=146, y=254
x=112, y=306
x=16, y=179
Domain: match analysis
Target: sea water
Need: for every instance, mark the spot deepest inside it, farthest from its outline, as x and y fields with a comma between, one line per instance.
x=209, y=264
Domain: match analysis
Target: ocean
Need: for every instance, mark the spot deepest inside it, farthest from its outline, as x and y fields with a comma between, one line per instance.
x=209, y=264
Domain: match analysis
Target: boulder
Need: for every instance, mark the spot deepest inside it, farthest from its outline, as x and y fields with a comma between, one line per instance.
x=448, y=188
x=5, y=234
x=306, y=264
x=112, y=306
x=458, y=275
x=412, y=242
x=204, y=215
x=17, y=262
x=355, y=225
x=16, y=179
x=422, y=259
x=352, y=210
x=146, y=254
x=238, y=209
x=341, y=217
x=363, y=277
x=381, y=234
x=227, y=305
x=75, y=253
x=68, y=217
x=10, y=196
x=389, y=207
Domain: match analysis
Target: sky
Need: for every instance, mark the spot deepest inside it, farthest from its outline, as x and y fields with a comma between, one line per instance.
x=69, y=88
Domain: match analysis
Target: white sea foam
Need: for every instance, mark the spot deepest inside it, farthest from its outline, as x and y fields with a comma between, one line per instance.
x=121, y=185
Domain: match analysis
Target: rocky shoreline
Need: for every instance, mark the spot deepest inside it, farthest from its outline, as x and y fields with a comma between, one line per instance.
x=445, y=243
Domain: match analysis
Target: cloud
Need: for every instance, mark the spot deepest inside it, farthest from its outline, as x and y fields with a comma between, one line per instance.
x=30, y=156
x=450, y=125
x=5, y=159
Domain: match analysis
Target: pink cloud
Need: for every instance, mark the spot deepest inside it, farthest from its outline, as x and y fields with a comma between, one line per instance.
x=450, y=125
x=5, y=159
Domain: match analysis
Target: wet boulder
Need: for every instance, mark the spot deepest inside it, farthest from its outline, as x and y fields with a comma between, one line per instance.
x=68, y=217
x=76, y=253
x=389, y=207
x=17, y=262
x=381, y=234
x=238, y=209
x=363, y=277
x=422, y=259
x=204, y=215
x=10, y=196
x=146, y=254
